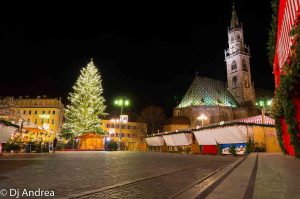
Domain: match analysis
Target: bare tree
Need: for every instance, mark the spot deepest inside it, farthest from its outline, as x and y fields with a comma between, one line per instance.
x=6, y=107
x=7, y=111
x=154, y=116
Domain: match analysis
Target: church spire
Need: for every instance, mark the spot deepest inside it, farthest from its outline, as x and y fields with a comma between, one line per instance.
x=234, y=22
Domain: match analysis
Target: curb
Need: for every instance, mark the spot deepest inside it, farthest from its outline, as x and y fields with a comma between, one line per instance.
x=201, y=187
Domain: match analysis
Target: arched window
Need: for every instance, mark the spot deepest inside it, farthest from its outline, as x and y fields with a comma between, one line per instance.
x=238, y=37
x=234, y=82
x=233, y=65
x=244, y=65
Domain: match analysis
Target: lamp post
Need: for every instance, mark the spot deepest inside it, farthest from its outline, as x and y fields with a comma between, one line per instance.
x=264, y=105
x=202, y=117
x=121, y=102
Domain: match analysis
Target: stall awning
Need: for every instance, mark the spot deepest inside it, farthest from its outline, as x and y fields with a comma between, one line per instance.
x=223, y=135
x=169, y=140
x=231, y=135
x=205, y=137
x=178, y=139
x=155, y=141
x=182, y=139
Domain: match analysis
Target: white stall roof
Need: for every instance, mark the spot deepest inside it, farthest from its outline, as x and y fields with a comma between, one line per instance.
x=169, y=140
x=205, y=137
x=231, y=135
x=223, y=135
x=155, y=141
x=182, y=139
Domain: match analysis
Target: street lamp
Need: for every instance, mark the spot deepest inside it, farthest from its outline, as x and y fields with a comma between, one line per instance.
x=121, y=102
x=264, y=105
x=202, y=117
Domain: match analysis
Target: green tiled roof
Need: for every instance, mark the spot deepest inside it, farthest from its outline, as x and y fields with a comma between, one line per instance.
x=208, y=92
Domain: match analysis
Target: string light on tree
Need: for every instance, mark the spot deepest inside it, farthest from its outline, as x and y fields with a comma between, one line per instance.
x=87, y=103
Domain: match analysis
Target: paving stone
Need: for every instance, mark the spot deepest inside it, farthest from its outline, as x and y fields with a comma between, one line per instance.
x=75, y=172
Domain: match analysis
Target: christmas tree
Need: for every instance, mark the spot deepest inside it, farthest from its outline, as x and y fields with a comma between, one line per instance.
x=87, y=103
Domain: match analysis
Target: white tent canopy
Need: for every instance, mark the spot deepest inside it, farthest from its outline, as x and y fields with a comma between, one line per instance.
x=178, y=139
x=205, y=137
x=169, y=140
x=223, y=135
x=6, y=132
x=155, y=141
x=182, y=139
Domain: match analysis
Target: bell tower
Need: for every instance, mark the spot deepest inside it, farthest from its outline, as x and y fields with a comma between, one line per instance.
x=237, y=58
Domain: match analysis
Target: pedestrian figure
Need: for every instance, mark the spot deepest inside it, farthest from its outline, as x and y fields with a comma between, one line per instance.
x=54, y=144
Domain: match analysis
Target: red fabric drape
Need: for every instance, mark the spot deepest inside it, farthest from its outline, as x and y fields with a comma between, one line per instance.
x=288, y=11
x=209, y=149
x=286, y=138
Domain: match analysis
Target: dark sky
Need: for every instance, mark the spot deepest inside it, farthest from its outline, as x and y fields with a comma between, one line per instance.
x=150, y=58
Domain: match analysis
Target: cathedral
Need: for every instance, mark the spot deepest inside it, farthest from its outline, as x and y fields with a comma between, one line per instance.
x=218, y=101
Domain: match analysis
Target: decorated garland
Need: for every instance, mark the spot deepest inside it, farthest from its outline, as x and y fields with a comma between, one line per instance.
x=283, y=106
x=272, y=32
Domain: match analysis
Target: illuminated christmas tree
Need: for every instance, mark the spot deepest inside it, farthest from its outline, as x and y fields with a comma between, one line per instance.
x=87, y=103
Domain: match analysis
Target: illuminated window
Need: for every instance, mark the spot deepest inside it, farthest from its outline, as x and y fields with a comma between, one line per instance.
x=35, y=112
x=29, y=112
x=233, y=65
x=43, y=112
x=49, y=112
x=24, y=112
x=52, y=121
x=35, y=121
x=42, y=121
x=53, y=112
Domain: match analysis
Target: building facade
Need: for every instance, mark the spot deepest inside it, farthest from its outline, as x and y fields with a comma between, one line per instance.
x=237, y=58
x=130, y=135
x=222, y=101
x=41, y=112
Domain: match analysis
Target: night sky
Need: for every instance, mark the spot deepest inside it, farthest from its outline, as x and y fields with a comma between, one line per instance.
x=151, y=58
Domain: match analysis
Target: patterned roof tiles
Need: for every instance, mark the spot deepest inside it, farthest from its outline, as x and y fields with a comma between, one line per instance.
x=208, y=92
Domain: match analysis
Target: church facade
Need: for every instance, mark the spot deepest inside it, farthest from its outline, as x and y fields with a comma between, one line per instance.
x=219, y=101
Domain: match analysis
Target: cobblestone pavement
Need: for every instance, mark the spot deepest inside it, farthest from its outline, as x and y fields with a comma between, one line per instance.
x=70, y=173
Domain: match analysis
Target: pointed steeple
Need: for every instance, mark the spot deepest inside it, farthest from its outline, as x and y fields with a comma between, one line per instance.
x=234, y=22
